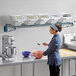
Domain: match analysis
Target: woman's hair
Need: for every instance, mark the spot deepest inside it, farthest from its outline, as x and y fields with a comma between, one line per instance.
x=59, y=28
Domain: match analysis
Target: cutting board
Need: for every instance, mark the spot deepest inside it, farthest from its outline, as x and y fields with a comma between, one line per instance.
x=67, y=52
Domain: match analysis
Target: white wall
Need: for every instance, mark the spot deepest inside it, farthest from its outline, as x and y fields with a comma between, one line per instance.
x=27, y=38
x=31, y=6
x=36, y=6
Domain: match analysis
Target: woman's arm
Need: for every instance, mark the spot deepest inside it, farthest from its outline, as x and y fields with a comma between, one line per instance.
x=52, y=47
x=45, y=44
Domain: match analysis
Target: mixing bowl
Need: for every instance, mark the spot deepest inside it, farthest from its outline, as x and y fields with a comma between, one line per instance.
x=26, y=53
x=38, y=54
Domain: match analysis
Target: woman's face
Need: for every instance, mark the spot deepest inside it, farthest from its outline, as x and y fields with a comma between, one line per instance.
x=52, y=31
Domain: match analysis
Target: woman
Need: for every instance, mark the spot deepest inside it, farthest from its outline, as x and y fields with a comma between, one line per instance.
x=54, y=59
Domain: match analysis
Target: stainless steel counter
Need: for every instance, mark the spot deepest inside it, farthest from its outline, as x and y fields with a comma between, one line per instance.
x=21, y=60
x=65, y=55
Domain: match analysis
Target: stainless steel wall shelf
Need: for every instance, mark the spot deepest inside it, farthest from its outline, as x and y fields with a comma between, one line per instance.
x=9, y=27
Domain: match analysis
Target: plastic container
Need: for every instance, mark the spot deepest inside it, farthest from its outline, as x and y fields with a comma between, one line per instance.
x=30, y=19
x=53, y=19
x=17, y=20
x=42, y=18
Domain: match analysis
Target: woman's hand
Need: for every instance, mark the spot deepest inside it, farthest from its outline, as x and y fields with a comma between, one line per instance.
x=45, y=44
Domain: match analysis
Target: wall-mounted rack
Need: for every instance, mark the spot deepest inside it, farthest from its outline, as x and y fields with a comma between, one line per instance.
x=9, y=27
x=21, y=21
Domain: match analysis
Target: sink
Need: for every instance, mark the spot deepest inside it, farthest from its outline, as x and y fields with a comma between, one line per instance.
x=70, y=41
x=72, y=45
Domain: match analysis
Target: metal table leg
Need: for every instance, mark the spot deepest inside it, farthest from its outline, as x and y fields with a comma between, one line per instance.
x=21, y=69
x=69, y=67
x=62, y=68
x=75, y=66
x=33, y=68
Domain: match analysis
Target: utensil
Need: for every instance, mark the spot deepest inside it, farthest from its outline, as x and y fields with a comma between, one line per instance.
x=38, y=43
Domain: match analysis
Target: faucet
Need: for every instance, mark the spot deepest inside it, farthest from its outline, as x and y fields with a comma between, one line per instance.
x=74, y=39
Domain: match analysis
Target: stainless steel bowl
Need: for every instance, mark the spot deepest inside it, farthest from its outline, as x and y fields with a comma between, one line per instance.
x=11, y=51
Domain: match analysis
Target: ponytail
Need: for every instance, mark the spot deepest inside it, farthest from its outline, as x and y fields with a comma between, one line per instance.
x=59, y=27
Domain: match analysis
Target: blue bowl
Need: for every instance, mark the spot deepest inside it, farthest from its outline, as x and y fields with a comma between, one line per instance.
x=26, y=53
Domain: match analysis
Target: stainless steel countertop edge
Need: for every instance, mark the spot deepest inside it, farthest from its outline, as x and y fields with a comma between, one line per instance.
x=28, y=60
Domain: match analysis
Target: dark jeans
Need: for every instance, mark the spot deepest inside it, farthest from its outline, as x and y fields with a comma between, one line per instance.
x=54, y=70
